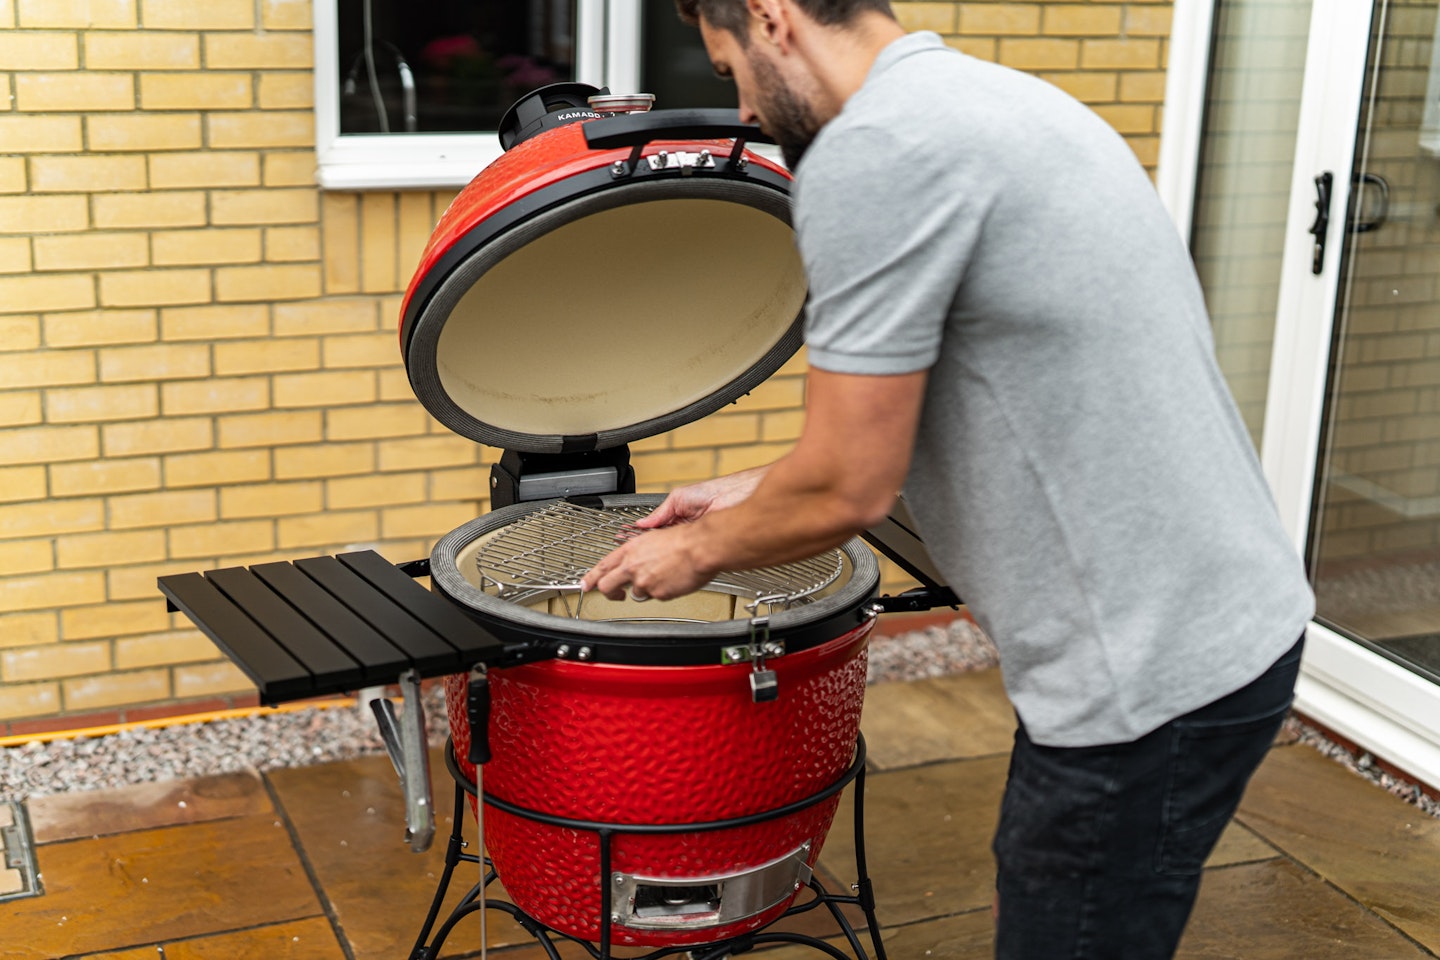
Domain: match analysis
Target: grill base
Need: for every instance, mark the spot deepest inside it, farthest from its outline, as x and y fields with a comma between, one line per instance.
x=548, y=937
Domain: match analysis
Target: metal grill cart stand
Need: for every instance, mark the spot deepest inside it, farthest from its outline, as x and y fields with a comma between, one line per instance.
x=663, y=773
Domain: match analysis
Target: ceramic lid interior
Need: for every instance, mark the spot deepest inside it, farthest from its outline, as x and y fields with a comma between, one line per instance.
x=613, y=317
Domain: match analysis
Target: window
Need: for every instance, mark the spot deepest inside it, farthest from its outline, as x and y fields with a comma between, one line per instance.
x=408, y=94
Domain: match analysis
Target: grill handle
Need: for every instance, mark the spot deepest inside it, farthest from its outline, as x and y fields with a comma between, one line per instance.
x=638, y=129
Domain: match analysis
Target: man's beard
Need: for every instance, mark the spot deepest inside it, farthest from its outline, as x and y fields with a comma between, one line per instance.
x=787, y=118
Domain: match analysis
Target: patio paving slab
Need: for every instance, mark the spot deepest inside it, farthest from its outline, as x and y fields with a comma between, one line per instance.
x=1369, y=843
x=146, y=806
x=946, y=718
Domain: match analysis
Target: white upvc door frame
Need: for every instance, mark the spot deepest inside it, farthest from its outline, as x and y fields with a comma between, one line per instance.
x=1370, y=700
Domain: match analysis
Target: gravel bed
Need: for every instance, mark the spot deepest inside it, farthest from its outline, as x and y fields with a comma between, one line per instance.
x=267, y=741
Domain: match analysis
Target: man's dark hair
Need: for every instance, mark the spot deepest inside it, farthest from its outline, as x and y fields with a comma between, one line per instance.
x=731, y=15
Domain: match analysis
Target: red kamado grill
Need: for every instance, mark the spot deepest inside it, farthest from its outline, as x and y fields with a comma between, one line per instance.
x=658, y=774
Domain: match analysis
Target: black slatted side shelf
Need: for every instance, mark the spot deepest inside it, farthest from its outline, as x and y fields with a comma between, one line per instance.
x=328, y=624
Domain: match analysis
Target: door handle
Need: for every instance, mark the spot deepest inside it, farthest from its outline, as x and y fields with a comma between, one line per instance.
x=1321, y=227
x=1382, y=207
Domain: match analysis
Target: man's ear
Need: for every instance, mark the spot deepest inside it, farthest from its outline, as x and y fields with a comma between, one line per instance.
x=771, y=21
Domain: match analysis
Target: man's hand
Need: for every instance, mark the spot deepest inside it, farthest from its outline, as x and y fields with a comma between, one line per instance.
x=697, y=499
x=657, y=563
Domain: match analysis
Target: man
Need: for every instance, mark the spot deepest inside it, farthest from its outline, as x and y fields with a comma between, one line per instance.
x=1003, y=320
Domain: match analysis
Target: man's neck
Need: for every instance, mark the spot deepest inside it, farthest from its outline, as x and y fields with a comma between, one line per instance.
x=840, y=58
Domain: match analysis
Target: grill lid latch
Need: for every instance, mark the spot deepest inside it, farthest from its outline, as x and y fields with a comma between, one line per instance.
x=764, y=684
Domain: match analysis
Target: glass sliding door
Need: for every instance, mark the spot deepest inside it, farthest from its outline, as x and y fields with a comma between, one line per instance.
x=1247, y=151
x=1374, y=547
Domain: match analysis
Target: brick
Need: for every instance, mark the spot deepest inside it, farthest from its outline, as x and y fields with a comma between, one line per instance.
x=88, y=174
x=75, y=91
x=470, y=484
x=139, y=131
x=271, y=500
x=91, y=251
x=216, y=467
x=49, y=368
x=96, y=404
x=27, y=630
x=43, y=214
x=717, y=430
x=14, y=258
x=782, y=426
x=732, y=459
x=189, y=15
x=1087, y=87
x=374, y=422
x=266, y=356
x=1148, y=21
x=1147, y=151
x=113, y=619
x=340, y=224
x=48, y=444
x=154, y=287
x=285, y=14
x=1148, y=87
x=12, y=173
x=93, y=328
x=28, y=700
x=1082, y=19
x=781, y=393
x=215, y=395
x=37, y=50
x=189, y=247
x=284, y=244
x=327, y=529
x=82, y=14
x=363, y=350
x=324, y=460
x=116, y=689
x=142, y=50
x=26, y=556
x=328, y=389
x=676, y=466
x=137, y=582
x=445, y=450
x=430, y=522
x=41, y=134
x=1040, y=54
x=258, y=51
x=163, y=649
x=161, y=361
x=394, y=384
x=261, y=129
x=287, y=91
x=218, y=322
x=267, y=283
x=266, y=207
x=350, y=493
x=196, y=91
x=26, y=294
x=169, y=435
x=1000, y=19
x=218, y=539
x=416, y=218
x=20, y=408
x=22, y=483
x=339, y=315
x=291, y=168
x=1120, y=54
x=78, y=551
x=19, y=333
x=939, y=17
x=104, y=477
x=203, y=680
x=377, y=243
x=163, y=509
x=269, y=429
x=1128, y=118
x=204, y=169
x=149, y=210
x=39, y=592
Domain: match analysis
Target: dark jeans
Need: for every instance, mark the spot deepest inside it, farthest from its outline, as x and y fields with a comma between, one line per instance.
x=1099, y=849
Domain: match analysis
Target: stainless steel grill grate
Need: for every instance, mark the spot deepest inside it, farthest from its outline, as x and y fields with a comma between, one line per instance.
x=550, y=550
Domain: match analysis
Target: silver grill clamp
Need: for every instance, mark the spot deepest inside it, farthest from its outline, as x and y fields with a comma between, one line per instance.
x=405, y=742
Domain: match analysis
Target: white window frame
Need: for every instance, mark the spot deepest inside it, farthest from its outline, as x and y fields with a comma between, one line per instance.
x=607, y=53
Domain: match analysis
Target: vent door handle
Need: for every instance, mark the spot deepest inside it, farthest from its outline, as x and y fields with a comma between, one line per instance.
x=1321, y=227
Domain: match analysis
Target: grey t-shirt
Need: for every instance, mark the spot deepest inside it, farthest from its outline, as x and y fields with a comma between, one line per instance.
x=1080, y=473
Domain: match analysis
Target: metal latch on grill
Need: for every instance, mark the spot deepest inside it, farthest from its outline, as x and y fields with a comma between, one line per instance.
x=682, y=160
x=764, y=684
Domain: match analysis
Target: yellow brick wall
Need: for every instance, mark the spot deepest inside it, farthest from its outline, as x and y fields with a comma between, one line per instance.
x=197, y=358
